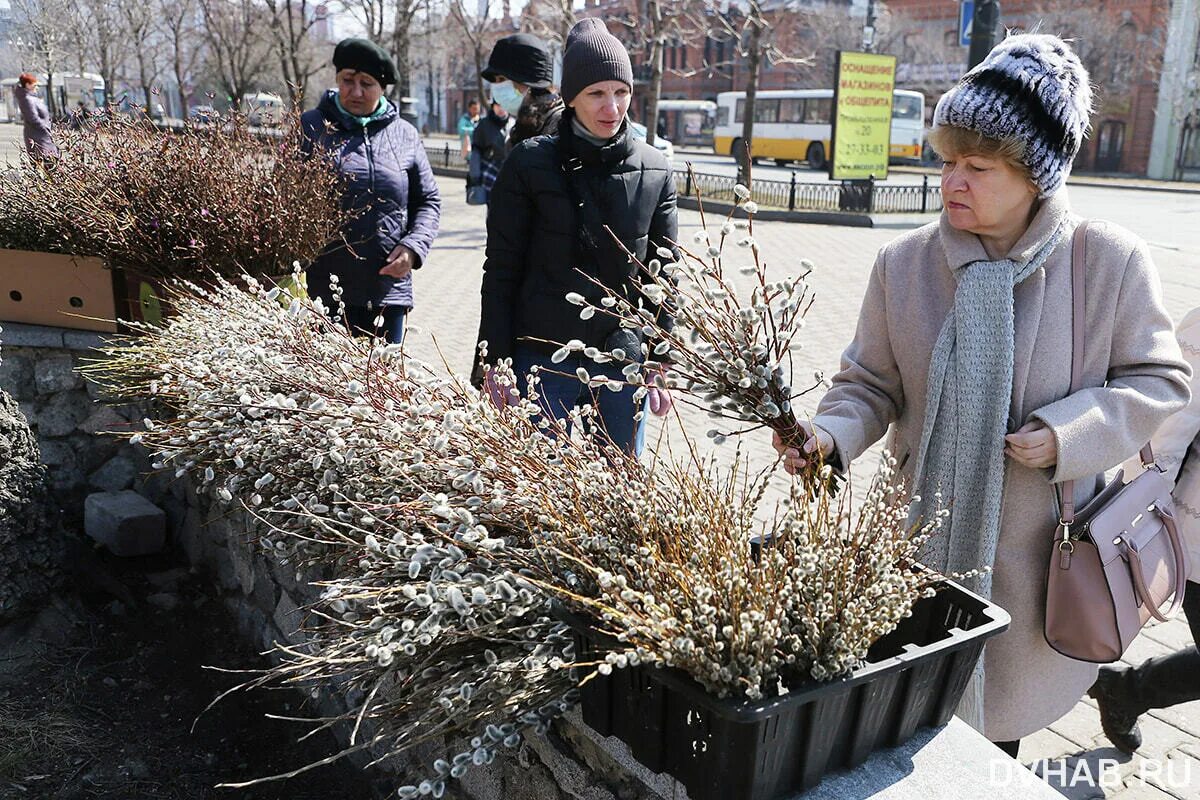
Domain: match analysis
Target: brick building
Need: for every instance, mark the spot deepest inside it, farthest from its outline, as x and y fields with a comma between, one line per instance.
x=1120, y=41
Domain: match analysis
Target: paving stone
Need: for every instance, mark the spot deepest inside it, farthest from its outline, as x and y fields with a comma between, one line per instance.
x=1159, y=738
x=1046, y=744
x=1174, y=635
x=125, y=522
x=17, y=334
x=1142, y=648
x=288, y=617
x=16, y=374
x=104, y=419
x=1138, y=790
x=57, y=454
x=62, y=413
x=55, y=373
x=1185, y=716
x=1177, y=775
x=115, y=475
x=84, y=340
x=1080, y=725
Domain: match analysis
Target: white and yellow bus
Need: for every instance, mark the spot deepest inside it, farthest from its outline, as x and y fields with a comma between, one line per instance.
x=794, y=125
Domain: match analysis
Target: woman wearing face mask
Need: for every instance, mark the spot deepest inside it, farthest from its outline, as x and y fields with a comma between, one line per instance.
x=524, y=104
x=388, y=182
x=547, y=236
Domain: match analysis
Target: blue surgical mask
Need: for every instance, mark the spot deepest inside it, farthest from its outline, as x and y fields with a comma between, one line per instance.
x=507, y=96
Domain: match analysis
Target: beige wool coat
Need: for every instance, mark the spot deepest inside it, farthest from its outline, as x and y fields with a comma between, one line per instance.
x=1177, y=449
x=1135, y=378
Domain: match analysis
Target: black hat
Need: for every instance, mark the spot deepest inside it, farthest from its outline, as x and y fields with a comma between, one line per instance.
x=593, y=55
x=362, y=55
x=522, y=58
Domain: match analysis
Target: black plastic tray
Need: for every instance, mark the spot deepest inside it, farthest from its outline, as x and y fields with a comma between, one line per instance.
x=727, y=749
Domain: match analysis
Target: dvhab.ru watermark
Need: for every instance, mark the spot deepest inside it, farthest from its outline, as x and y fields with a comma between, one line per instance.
x=1104, y=773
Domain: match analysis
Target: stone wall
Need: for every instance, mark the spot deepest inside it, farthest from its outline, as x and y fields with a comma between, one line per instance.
x=38, y=369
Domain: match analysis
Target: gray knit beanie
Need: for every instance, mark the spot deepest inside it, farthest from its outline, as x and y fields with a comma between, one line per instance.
x=592, y=55
x=1033, y=87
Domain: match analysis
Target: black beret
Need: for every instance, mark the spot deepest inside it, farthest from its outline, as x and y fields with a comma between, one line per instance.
x=362, y=55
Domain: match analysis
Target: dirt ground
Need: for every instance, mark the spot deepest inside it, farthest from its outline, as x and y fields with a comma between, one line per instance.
x=98, y=696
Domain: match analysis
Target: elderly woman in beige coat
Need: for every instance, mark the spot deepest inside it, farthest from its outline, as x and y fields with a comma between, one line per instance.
x=964, y=346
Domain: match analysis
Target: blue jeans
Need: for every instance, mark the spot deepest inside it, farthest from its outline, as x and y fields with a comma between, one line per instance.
x=560, y=393
x=362, y=322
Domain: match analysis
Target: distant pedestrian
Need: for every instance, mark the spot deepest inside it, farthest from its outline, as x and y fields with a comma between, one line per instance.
x=466, y=127
x=962, y=356
x=553, y=205
x=520, y=73
x=35, y=118
x=389, y=184
x=1124, y=694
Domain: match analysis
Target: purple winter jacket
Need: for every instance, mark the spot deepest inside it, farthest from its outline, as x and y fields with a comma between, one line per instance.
x=392, y=186
x=36, y=121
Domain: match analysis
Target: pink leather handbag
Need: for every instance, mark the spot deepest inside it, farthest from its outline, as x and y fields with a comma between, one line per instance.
x=1119, y=559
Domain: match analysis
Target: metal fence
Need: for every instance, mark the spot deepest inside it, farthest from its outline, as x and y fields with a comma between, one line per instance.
x=792, y=194
x=795, y=195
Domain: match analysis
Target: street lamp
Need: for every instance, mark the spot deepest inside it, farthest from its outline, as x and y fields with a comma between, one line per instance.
x=868, y=35
x=983, y=30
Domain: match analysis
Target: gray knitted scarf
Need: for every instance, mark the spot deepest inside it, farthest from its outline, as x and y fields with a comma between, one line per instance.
x=961, y=457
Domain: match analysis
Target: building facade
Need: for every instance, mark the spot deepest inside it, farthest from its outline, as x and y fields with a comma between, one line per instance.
x=1121, y=42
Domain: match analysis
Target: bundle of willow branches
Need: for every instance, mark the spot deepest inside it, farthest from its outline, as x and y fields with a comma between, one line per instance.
x=453, y=531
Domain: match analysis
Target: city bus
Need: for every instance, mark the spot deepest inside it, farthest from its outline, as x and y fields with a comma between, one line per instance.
x=794, y=125
x=688, y=123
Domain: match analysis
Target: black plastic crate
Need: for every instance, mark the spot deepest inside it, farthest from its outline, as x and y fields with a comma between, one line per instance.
x=728, y=748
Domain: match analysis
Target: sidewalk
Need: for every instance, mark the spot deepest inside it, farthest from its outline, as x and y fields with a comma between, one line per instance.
x=447, y=296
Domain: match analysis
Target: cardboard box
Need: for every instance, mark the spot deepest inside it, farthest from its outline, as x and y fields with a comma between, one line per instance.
x=59, y=290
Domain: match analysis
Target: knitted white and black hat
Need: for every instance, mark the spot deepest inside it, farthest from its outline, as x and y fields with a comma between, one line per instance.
x=1031, y=86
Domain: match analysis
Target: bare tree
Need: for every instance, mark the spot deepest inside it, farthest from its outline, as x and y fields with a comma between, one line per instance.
x=753, y=26
x=680, y=22
x=291, y=26
x=549, y=19
x=104, y=45
x=391, y=24
x=138, y=22
x=1105, y=36
x=177, y=20
x=42, y=38
x=477, y=29
x=372, y=14
x=238, y=43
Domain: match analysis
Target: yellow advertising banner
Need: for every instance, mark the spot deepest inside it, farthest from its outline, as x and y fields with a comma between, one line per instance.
x=862, y=118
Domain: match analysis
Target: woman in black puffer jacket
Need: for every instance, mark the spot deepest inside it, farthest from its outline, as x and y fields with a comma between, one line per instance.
x=546, y=223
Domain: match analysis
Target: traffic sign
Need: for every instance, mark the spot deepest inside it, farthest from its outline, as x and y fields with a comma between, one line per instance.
x=966, y=19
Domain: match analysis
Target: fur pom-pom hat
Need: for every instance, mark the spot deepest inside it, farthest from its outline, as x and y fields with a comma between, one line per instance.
x=1031, y=86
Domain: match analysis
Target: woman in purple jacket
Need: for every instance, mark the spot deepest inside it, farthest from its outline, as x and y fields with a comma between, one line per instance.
x=35, y=118
x=390, y=187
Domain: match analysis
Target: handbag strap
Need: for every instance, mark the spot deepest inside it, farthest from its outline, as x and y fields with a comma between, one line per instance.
x=1078, y=307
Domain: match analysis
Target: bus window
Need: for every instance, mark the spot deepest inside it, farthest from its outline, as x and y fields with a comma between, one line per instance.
x=817, y=110
x=740, y=114
x=907, y=107
x=766, y=110
x=723, y=115
x=791, y=110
